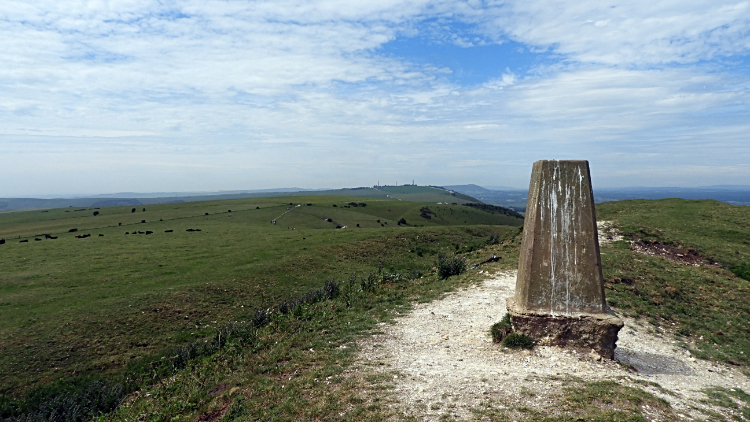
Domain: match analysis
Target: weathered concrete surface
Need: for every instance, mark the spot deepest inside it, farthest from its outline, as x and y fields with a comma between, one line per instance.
x=559, y=297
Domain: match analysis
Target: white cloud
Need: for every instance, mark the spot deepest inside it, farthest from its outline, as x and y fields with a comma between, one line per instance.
x=271, y=93
x=625, y=33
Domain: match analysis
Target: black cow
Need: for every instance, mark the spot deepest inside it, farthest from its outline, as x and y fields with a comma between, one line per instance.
x=23, y=241
x=143, y=221
x=127, y=232
x=36, y=239
x=101, y=234
x=168, y=231
x=148, y=232
x=2, y=241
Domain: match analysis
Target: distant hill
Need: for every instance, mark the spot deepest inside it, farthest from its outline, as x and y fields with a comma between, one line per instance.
x=516, y=199
x=404, y=193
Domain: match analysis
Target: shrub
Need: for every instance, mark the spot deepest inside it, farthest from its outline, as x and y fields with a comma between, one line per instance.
x=518, y=341
x=741, y=271
x=448, y=265
x=500, y=330
x=493, y=239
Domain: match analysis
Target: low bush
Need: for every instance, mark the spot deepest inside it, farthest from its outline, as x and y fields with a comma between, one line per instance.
x=518, y=341
x=500, y=330
x=448, y=265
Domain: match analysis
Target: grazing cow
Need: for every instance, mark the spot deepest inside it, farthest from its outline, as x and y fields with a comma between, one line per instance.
x=36, y=239
x=23, y=241
x=87, y=235
x=46, y=236
x=143, y=221
x=133, y=210
x=229, y=210
x=140, y=232
x=127, y=232
x=168, y=231
x=148, y=232
x=72, y=230
x=2, y=241
x=53, y=237
x=197, y=230
x=119, y=224
x=100, y=234
x=78, y=236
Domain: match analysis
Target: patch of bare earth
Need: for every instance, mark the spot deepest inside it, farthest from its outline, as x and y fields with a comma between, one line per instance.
x=675, y=253
x=439, y=361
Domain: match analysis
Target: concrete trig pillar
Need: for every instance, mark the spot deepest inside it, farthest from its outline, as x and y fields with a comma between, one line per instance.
x=559, y=297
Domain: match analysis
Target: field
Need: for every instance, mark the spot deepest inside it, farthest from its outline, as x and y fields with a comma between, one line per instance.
x=71, y=307
x=76, y=311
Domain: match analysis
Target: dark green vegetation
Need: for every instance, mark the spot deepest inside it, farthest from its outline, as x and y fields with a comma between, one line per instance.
x=106, y=306
x=500, y=329
x=705, y=304
x=518, y=341
x=449, y=265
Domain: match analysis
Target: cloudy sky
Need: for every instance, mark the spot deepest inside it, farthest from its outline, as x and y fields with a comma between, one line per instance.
x=138, y=95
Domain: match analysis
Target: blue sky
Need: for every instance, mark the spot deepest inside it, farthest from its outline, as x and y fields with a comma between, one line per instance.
x=137, y=95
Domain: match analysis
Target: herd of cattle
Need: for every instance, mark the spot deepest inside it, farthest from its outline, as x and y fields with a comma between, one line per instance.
x=83, y=236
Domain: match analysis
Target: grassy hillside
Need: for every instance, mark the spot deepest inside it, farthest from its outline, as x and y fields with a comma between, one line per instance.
x=298, y=369
x=72, y=306
x=693, y=289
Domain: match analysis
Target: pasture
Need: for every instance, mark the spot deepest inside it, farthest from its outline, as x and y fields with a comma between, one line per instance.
x=76, y=306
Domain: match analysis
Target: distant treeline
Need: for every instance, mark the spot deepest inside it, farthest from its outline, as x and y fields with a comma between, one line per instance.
x=494, y=209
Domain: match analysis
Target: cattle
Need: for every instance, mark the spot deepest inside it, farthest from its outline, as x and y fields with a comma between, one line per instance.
x=46, y=236
x=119, y=224
x=127, y=232
x=229, y=210
x=144, y=210
x=23, y=241
x=2, y=241
x=96, y=213
x=193, y=230
x=78, y=236
x=100, y=235
x=133, y=210
x=168, y=231
x=148, y=232
x=143, y=221
x=53, y=237
x=140, y=232
x=72, y=230
x=257, y=208
x=206, y=213
x=36, y=239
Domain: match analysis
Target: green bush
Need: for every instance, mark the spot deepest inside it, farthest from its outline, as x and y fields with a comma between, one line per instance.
x=518, y=341
x=741, y=271
x=448, y=265
x=500, y=330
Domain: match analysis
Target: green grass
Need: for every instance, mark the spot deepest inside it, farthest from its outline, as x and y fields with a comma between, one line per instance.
x=706, y=306
x=74, y=307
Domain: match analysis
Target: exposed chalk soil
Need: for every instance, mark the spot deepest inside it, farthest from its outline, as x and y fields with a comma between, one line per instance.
x=440, y=361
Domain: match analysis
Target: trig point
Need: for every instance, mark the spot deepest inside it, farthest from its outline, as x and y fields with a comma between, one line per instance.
x=559, y=298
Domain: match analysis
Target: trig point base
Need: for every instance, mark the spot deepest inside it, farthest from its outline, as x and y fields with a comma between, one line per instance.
x=559, y=298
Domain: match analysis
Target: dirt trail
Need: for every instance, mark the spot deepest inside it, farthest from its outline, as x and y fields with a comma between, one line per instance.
x=444, y=362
